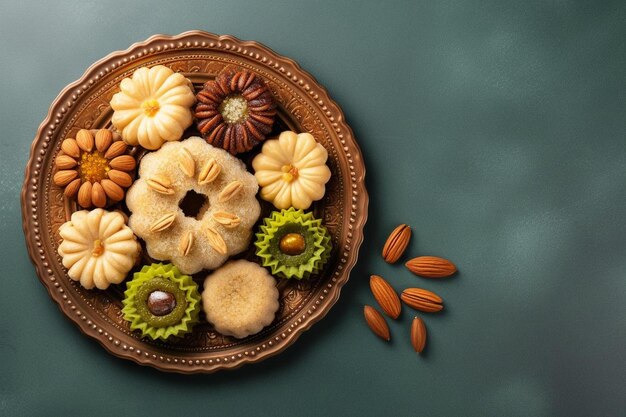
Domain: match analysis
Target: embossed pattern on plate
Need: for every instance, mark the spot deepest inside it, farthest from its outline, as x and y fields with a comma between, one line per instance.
x=303, y=105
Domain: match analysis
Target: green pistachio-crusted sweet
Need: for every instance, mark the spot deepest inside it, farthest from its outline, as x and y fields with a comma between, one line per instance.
x=164, y=278
x=306, y=262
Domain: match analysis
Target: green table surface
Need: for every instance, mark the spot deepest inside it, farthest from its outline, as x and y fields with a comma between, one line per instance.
x=496, y=129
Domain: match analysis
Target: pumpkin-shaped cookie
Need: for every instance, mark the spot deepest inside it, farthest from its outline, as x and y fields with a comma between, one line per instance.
x=153, y=107
x=291, y=170
x=98, y=249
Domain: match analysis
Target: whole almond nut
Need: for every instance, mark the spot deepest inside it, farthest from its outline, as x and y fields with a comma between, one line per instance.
x=64, y=177
x=65, y=162
x=230, y=191
x=123, y=163
x=104, y=138
x=116, y=149
x=186, y=162
x=72, y=188
x=84, y=195
x=70, y=147
x=386, y=296
x=422, y=300
x=112, y=190
x=396, y=243
x=431, y=267
x=376, y=323
x=163, y=222
x=98, y=196
x=84, y=139
x=121, y=178
x=418, y=334
x=228, y=220
x=209, y=172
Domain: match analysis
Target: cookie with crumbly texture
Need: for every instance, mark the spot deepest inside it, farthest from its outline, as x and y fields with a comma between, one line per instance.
x=240, y=298
x=223, y=225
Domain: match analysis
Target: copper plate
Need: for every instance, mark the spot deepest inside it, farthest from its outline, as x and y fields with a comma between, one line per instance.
x=304, y=106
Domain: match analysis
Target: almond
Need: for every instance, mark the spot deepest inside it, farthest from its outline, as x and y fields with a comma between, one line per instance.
x=230, y=191
x=84, y=195
x=418, y=334
x=187, y=163
x=98, y=196
x=376, y=323
x=112, y=190
x=163, y=222
x=396, y=243
x=116, y=149
x=104, y=138
x=84, y=139
x=186, y=243
x=209, y=172
x=228, y=220
x=386, y=296
x=65, y=162
x=216, y=241
x=123, y=163
x=64, y=177
x=160, y=184
x=121, y=178
x=422, y=300
x=431, y=267
x=72, y=188
x=70, y=147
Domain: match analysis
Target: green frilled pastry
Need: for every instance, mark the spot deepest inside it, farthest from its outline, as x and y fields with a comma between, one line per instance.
x=161, y=302
x=293, y=244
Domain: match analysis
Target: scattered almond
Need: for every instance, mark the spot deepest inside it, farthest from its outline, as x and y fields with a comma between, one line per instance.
x=84, y=139
x=418, y=334
x=396, y=243
x=431, y=267
x=64, y=177
x=386, y=296
x=422, y=300
x=376, y=323
x=163, y=222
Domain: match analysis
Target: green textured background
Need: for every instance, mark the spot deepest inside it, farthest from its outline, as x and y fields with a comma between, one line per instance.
x=496, y=129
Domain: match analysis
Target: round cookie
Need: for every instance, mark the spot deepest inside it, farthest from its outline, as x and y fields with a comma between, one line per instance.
x=240, y=298
x=222, y=226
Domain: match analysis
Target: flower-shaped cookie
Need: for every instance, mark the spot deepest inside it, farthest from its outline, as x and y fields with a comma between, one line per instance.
x=95, y=171
x=153, y=107
x=291, y=170
x=97, y=248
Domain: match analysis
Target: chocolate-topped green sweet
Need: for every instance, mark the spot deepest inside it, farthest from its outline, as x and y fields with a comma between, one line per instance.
x=161, y=302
